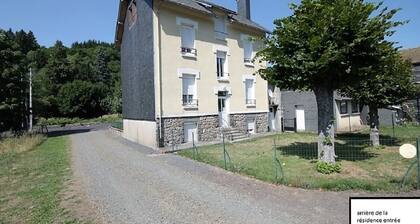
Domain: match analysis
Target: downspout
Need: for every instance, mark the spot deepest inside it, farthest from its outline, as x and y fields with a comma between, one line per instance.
x=160, y=75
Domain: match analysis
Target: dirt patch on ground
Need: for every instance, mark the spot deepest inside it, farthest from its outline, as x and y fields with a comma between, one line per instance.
x=76, y=204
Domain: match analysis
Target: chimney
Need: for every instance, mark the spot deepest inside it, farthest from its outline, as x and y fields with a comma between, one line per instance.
x=244, y=8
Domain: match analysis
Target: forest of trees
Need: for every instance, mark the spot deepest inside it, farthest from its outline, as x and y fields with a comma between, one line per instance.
x=78, y=81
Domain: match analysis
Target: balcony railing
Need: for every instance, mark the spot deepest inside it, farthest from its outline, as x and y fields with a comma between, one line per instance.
x=190, y=102
x=248, y=61
x=251, y=102
x=223, y=75
x=187, y=50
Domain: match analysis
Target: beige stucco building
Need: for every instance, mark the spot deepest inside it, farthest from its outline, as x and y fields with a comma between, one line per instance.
x=188, y=71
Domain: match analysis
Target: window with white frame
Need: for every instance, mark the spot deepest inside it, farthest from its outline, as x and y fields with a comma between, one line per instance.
x=343, y=107
x=250, y=92
x=189, y=90
x=248, y=51
x=221, y=62
x=188, y=40
x=220, y=28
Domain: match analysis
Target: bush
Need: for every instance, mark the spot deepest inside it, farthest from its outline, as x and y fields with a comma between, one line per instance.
x=81, y=99
x=328, y=168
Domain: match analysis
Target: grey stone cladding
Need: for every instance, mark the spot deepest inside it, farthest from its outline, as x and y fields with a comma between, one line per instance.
x=173, y=128
x=239, y=122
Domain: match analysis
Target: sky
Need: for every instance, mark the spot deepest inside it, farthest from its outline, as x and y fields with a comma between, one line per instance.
x=80, y=20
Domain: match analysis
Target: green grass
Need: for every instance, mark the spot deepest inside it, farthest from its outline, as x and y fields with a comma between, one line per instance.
x=30, y=183
x=363, y=167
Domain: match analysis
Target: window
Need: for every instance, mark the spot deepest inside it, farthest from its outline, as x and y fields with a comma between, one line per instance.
x=188, y=41
x=222, y=73
x=132, y=14
x=248, y=50
x=220, y=28
x=343, y=107
x=250, y=92
x=417, y=74
x=355, y=108
x=189, y=91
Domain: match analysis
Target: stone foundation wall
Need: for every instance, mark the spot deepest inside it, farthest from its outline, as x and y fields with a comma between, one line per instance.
x=261, y=121
x=239, y=121
x=173, y=129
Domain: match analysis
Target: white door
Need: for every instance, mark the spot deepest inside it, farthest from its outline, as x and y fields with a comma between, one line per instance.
x=223, y=113
x=300, y=118
x=251, y=125
x=190, y=132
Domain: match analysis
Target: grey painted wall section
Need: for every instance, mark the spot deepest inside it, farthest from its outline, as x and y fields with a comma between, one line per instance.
x=291, y=99
x=137, y=65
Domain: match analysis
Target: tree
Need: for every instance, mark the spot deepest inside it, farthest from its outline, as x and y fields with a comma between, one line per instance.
x=81, y=99
x=102, y=72
x=324, y=46
x=387, y=83
x=12, y=83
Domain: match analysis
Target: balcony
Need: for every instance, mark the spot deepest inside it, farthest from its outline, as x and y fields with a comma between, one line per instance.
x=251, y=102
x=189, y=52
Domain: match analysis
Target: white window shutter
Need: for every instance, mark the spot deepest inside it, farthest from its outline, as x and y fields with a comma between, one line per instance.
x=248, y=49
x=250, y=90
x=187, y=37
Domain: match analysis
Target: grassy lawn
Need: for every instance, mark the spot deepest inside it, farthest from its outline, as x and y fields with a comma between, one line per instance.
x=363, y=167
x=33, y=171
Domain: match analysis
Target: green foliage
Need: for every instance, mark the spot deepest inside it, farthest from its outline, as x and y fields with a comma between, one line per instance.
x=328, y=168
x=81, y=99
x=13, y=81
x=327, y=45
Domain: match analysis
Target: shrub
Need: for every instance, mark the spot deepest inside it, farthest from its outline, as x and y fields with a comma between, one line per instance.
x=328, y=168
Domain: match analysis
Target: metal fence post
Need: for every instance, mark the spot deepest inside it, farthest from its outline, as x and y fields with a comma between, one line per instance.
x=393, y=126
x=224, y=150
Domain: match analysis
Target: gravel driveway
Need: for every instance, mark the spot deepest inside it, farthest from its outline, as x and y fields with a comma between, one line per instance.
x=131, y=184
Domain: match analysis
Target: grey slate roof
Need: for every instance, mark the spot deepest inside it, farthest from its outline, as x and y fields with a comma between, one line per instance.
x=206, y=7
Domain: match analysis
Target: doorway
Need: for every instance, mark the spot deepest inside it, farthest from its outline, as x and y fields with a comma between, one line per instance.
x=223, y=109
x=300, y=118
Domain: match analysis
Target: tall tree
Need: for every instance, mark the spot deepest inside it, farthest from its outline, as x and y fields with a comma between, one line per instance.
x=324, y=46
x=12, y=83
x=387, y=83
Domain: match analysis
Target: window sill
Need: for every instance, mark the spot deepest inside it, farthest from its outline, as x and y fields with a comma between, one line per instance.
x=251, y=105
x=249, y=64
x=220, y=36
x=189, y=55
x=190, y=107
x=224, y=79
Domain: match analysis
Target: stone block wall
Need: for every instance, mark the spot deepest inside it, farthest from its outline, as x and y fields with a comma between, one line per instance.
x=239, y=121
x=173, y=129
x=261, y=122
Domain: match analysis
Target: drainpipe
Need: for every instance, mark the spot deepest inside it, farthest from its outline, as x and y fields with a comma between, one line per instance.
x=160, y=76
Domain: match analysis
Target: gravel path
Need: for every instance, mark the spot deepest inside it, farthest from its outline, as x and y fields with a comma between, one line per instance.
x=130, y=184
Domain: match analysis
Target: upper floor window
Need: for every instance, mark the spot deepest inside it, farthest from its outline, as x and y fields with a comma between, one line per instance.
x=220, y=28
x=132, y=14
x=222, y=68
x=250, y=92
x=343, y=107
x=187, y=29
x=248, y=46
x=189, y=91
